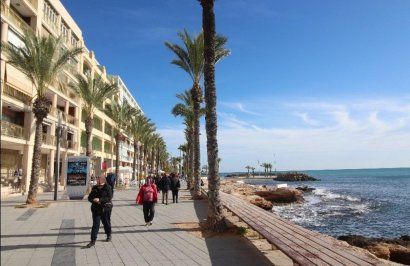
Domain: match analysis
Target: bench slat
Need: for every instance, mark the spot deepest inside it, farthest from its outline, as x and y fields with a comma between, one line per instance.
x=309, y=245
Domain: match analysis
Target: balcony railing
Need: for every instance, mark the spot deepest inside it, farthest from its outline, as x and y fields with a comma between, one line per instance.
x=16, y=94
x=69, y=144
x=11, y=15
x=12, y=130
x=70, y=119
x=48, y=139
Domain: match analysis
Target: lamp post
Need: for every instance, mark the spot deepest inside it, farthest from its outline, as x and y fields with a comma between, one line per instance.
x=59, y=131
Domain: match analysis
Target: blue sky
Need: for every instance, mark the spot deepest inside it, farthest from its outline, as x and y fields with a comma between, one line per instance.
x=309, y=84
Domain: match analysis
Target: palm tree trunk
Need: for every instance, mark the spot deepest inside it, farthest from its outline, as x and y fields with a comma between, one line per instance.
x=197, y=98
x=134, y=159
x=117, y=161
x=215, y=219
x=190, y=160
x=35, y=170
x=89, y=124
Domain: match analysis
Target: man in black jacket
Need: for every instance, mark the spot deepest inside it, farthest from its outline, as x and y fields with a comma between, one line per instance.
x=101, y=207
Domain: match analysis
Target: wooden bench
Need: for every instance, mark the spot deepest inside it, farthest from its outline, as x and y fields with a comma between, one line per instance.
x=303, y=246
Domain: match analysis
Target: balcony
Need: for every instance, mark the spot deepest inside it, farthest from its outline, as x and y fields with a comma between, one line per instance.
x=70, y=119
x=69, y=144
x=33, y=3
x=16, y=94
x=12, y=130
x=48, y=139
x=11, y=15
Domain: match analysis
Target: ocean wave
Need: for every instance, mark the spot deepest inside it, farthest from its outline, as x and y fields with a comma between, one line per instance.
x=326, y=194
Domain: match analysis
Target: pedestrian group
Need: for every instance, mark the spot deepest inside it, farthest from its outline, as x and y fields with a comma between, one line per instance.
x=102, y=193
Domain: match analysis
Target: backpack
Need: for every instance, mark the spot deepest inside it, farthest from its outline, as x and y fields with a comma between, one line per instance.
x=148, y=195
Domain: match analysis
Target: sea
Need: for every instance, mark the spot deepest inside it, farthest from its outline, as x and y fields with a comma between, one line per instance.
x=367, y=202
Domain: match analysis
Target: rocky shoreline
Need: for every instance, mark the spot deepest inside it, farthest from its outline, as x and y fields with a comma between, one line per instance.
x=397, y=250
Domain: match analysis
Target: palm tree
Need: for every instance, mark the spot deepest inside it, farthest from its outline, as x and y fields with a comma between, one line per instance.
x=185, y=109
x=213, y=52
x=41, y=59
x=94, y=91
x=121, y=114
x=139, y=124
x=191, y=60
x=248, y=167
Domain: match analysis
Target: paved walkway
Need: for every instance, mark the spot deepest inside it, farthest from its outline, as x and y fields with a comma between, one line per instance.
x=57, y=235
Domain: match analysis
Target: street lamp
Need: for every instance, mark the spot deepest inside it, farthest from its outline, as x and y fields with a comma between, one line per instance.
x=59, y=132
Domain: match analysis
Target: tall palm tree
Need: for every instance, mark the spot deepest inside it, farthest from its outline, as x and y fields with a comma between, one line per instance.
x=139, y=124
x=121, y=114
x=248, y=167
x=41, y=59
x=185, y=109
x=213, y=51
x=146, y=140
x=94, y=91
x=191, y=60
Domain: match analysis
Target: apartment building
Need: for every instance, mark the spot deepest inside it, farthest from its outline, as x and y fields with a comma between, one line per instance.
x=49, y=17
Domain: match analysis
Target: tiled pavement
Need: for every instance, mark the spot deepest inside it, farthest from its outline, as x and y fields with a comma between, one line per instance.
x=57, y=235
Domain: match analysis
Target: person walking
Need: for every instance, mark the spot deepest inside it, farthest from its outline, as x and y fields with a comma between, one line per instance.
x=165, y=184
x=175, y=185
x=148, y=196
x=101, y=207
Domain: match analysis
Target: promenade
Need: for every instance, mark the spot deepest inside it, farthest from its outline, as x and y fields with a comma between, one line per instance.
x=58, y=234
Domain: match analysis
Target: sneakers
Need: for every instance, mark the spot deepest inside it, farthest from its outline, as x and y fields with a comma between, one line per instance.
x=91, y=244
x=108, y=238
x=150, y=223
x=146, y=224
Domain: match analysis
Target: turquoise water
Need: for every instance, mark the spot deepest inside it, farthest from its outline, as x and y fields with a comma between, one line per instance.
x=368, y=202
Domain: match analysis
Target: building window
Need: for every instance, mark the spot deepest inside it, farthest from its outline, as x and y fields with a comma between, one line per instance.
x=64, y=31
x=50, y=15
x=74, y=40
x=15, y=39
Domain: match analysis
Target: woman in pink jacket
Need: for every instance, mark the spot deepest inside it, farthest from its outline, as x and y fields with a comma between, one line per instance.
x=148, y=196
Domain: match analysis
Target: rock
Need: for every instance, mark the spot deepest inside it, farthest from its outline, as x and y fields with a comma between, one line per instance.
x=294, y=176
x=281, y=195
x=397, y=250
x=306, y=189
x=262, y=203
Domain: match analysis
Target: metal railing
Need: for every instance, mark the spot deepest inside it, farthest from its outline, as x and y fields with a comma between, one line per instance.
x=12, y=130
x=16, y=94
x=11, y=15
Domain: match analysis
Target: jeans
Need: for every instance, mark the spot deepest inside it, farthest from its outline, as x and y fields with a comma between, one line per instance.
x=149, y=210
x=175, y=196
x=165, y=196
x=105, y=218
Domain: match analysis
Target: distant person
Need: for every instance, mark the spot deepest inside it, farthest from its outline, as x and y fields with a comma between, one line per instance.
x=165, y=184
x=101, y=207
x=148, y=196
x=19, y=179
x=175, y=185
x=111, y=182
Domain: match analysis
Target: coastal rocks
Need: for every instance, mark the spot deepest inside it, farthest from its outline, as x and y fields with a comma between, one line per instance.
x=282, y=195
x=397, y=250
x=294, y=176
x=261, y=196
x=262, y=203
x=306, y=189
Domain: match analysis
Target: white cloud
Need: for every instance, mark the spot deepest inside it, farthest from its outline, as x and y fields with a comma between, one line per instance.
x=349, y=135
x=305, y=117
